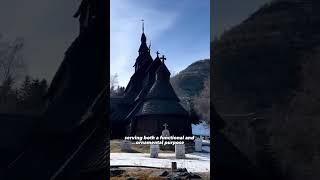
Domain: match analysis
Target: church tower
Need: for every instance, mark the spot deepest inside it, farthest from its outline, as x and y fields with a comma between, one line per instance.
x=144, y=59
x=160, y=106
x=149, y=100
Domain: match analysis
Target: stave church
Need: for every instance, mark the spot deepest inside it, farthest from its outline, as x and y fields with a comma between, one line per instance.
x=149, y=101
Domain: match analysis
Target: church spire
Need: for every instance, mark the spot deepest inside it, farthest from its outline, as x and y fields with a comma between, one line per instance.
x=144, y=58
x=142, y=26
x=143, y=47
x=143, y=36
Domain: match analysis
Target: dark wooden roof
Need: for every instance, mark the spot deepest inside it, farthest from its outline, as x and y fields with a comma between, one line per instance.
x=145, y=57
x=162, y=90
x=134, y=87
x=149, y=79
x=120, y=113
x=163, y=72
x=162, y=107
x=162, y=87
x=154, y=65
x=149, y=92
x=146, y=87
x=161, y=98
x=143, y=46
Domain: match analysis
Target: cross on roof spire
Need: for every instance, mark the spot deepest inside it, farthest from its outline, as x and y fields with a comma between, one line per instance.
x=157, y=53
x=165, y=125
x=163, y=58
x=142, y=25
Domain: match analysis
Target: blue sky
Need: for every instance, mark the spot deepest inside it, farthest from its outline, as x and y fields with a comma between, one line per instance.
x=179, y=29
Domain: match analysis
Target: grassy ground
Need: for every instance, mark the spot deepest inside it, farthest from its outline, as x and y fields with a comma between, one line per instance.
x=139, y=173
x=146, y=173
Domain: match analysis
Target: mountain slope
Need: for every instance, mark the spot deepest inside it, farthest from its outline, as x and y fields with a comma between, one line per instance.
x=260, y=59
x=260, y=66
x=189, y=82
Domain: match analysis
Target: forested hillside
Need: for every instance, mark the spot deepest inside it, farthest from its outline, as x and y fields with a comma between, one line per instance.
x=189, y=82
x=268, y=66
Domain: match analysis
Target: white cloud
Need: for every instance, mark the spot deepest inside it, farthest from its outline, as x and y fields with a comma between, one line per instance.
x=126, y=31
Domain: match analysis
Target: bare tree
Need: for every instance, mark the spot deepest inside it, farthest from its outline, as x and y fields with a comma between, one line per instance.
x=113, y=83
x=11, y=62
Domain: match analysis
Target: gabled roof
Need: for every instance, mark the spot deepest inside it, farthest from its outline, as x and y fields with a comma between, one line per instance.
x=161, y=107
x=134, y=87
x=162, y=89
x=143, y=58
x=161, y=98
x=154, y=65
x=163, y=71
x=149, y=79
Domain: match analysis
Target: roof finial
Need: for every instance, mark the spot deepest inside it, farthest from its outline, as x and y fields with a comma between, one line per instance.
x=143, y=36
x=165, y=125
x=163, y=58
x=157, y=53
x=142, y=25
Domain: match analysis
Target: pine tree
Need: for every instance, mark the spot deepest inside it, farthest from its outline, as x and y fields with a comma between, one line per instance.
x=6, y=89
x=8, y=96
x=120, y=91
x=43, y=87
x=25, y=89
x=31, y=93
x=194, y=115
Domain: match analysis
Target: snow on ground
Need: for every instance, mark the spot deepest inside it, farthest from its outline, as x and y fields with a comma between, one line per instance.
x=206, y=149
x=205, y=142
x=194, y=162
x=201, y=129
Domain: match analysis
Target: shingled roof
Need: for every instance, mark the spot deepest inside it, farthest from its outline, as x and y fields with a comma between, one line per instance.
x=161, y=107
x=162, y=89
x=161, y=98
x=149, y=79
x=154, y=65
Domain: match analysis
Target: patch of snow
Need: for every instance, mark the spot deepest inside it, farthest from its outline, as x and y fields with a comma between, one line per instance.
x=206, y=149
x=194, y=162
x=203, y=155
x=205, y=142
x=201, y=129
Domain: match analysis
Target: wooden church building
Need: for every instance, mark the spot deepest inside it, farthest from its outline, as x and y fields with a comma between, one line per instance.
x=149, y=101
